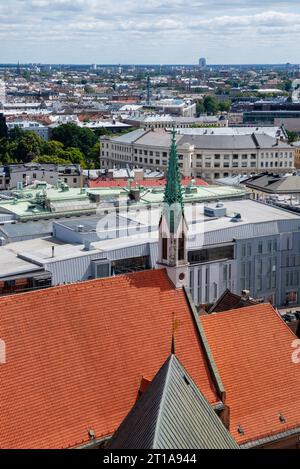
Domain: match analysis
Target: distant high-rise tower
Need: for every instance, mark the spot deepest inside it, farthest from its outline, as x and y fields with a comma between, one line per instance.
x=202, y=62
x=18, y=69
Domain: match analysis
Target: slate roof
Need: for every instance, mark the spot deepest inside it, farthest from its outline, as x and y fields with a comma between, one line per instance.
x=172, y=414
x=129, y=137
x=161, y=138
x=76, y=355
x=212, y=142
x=229, y=300
x=252, y=348
x=273, y=184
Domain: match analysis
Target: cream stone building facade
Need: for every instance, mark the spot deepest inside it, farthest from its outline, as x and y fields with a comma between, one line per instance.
x=209, y=156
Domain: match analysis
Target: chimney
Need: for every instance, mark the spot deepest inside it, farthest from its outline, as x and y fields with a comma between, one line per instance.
x=245, y=295
x=225, y=416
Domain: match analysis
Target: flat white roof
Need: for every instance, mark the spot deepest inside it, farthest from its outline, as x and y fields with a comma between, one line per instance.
x=40, y=250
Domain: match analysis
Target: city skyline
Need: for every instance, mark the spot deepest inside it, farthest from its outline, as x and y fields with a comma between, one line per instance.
x=90, y=31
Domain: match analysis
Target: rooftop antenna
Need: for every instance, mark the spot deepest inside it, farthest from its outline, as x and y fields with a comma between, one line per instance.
x=148, y=90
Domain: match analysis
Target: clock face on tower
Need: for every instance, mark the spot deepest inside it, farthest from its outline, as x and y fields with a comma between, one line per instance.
x=181, y=276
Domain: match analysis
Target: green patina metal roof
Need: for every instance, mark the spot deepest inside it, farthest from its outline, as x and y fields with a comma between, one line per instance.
x=32, y=204
x=172, y=414
x=173, y=189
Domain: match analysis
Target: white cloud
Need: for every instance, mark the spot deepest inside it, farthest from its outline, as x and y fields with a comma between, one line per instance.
x=167, y=30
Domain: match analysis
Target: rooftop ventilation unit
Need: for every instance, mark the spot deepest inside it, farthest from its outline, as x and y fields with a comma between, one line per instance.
x=236, y=218
x=88, y=246
x=217, y=210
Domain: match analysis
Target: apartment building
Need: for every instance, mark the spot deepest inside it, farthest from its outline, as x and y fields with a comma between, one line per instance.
x=209, y=156
x=157, y=121
x=22, y=175
x=30, y=126
x=177, y=107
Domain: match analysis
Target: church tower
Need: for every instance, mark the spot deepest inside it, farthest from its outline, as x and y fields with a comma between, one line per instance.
x=173, y=226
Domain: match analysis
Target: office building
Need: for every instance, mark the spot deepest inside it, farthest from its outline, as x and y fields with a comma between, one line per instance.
x=208, y=155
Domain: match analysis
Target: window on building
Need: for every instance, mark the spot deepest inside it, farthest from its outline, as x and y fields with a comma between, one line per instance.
x=244, y=250
x=292, y=297
x=209, y=255
x=181, y=243
x=165, y=248
x=134, y=264
x=191, y=281
x=100, y=269
x=259, y=283
x=225, y=273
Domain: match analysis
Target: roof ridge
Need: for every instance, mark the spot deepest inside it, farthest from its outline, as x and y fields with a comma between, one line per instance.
x=163, y=399
x=100, y=281
x=206, y=348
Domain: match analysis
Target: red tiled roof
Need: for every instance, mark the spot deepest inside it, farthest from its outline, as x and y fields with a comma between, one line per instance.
x=146, y=183
x=252, y=348
x=76, y=355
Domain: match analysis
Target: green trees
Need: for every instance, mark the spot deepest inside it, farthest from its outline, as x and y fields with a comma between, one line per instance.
x=46, y=159
x=70, y=145
x=200, y=109
x=3, y=127
x=210, y=105
x=94, y=156
x=292, y=136
x=26, y=147
x=225, y=106
x=70, y=135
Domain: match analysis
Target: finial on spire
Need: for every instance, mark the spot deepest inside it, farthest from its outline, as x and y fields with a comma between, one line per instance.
x=175, y=326
x=173, y=336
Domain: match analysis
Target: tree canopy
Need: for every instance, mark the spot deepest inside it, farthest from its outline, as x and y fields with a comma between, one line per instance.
x=212, y=106
x=69, y=144
x=70, y=135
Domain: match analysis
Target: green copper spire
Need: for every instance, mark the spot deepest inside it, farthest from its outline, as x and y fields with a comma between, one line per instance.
x=173, y=189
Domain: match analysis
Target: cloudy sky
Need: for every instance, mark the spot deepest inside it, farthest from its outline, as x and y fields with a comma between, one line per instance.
x=149, y=31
